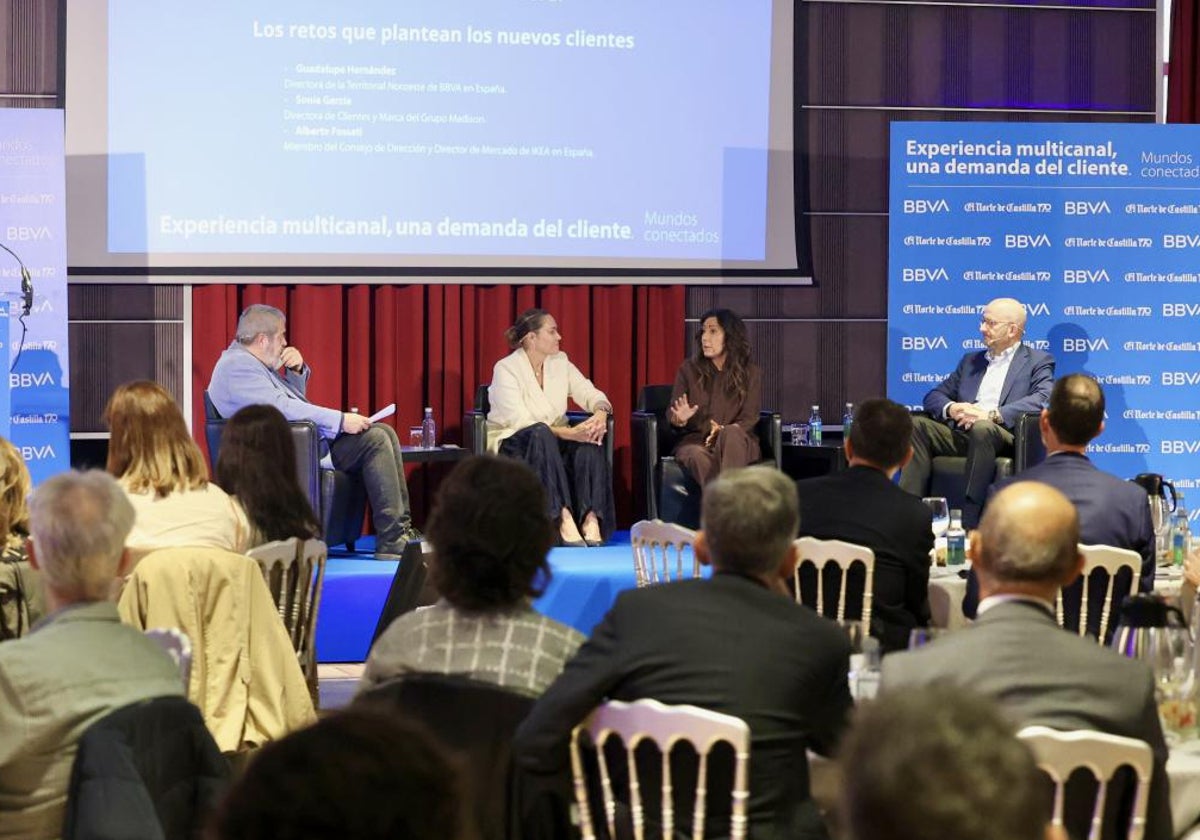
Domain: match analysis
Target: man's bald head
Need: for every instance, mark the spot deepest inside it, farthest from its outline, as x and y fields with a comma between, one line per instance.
x=1029, y=536
x=1002, y=324
x=1008, y=309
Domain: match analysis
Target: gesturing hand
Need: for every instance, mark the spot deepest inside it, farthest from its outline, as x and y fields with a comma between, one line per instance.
x=681, y=411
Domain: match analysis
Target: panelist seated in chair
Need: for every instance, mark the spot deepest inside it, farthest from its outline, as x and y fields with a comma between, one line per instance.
x=80, y=662
x=20, y=595
x=490, y=537
x=254, y=443
x=248, y=374
x=163, y=472
x=527, y=421
x=716, y=399
x=975, y=408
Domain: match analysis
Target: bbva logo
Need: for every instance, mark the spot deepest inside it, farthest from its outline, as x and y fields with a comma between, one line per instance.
x=922, y=205
x=923, y=275
x=1084, y=345
x=1180, y=310
x=923, y=342
x=1085, y=208
x=1026, y=240
x=37, y=453
x=1179, y=447
x=1083, y=275
x=1037, y=308
x=1180, y=377
x=31, y=380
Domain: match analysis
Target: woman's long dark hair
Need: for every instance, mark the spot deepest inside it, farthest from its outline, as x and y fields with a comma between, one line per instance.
x=737, y=352
x=257, y=466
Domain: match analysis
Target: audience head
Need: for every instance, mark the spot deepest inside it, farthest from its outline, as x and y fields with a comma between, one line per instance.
x=1027, y=542
x=15, y=486
x=79, y=522
x=750, y=518
x=1076, y=411
x=490, y=534
x=150, y=449
x=938, y=763
x=526, y=329
x=359, y=774
x=261, y=330
x=881, y=434
x=253, y=465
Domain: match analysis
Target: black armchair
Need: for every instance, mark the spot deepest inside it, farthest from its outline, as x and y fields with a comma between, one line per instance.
x=948, y=474
x=338, y=498
x=475, y=425
x=661, y=488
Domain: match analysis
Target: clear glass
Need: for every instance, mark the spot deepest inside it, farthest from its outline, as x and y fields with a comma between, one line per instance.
x=940, y=509
x=799, y=434
x=416, y=437
x=1171, y=656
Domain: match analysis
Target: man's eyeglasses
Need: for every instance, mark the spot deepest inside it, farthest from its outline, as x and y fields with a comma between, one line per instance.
x=989, y=323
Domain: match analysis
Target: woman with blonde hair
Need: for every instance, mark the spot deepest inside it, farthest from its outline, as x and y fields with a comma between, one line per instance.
x=163, y=472
x=20, y=596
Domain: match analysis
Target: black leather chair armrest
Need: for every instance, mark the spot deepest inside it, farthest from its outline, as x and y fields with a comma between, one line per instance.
x=644, y=430
x=1028, y=448
x=576, y=417
x=475, y=428
x=770, y=436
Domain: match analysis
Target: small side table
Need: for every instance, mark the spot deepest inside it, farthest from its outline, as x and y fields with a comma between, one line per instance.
x=813, y=461
x=437, y=455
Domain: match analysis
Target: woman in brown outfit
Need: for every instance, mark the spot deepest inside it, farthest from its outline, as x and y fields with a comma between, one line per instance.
x=716, y=400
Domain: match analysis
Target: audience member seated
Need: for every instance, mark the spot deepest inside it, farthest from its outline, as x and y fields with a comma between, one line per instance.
x=80, y=662
x=1025, y=551
x=355, y=775
x=939, y=762
x=162, y=471
x=716, y=399
x=862, y=505
x=737, y=643
x=248, y=374
x=256, y=447
x=490, y=536
x=527, y=420
x=20, y=595
x=1111, y=511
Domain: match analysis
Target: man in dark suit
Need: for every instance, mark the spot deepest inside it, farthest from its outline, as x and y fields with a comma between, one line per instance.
x=973, y=410
x=737, y=644
x=1024, y=552
x=1111, y=511
x=861, y=505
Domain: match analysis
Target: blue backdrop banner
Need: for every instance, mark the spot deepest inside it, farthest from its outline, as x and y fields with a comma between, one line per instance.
x=1096, y=229
x=33, y=224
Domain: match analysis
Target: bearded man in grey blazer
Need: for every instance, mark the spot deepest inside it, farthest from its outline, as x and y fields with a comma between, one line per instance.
x=1025, y=551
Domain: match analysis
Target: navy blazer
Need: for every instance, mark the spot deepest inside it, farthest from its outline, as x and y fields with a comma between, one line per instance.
x=1111, y=512
x=1026, y=386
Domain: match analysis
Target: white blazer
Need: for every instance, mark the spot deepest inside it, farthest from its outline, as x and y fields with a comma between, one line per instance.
x=516, y=400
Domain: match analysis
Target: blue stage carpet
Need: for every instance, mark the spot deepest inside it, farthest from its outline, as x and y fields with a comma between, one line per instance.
x=585, y=583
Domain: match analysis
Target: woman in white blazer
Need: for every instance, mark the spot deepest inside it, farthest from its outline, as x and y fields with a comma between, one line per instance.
x=527, y=421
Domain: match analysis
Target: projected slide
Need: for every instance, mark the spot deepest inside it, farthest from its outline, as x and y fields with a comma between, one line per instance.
x=539, y=128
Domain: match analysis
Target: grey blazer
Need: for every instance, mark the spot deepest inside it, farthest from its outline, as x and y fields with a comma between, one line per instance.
x=1040, y=674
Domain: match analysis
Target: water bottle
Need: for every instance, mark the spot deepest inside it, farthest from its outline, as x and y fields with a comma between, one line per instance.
x=847, y=420
x=428, y=430
x=956, y=540
x=814, y=427
x=1181, y=534
x=868, y=676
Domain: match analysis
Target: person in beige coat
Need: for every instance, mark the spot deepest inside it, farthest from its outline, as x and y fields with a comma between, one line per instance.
x=527, y=420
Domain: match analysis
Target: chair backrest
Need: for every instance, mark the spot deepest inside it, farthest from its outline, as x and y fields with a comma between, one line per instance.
x=659, y=549
x=1112, y=560
x=821, y=553
x=295, y=572
x=665, y=726
x=1060, y=753
x=177, y=645
x=476, y=720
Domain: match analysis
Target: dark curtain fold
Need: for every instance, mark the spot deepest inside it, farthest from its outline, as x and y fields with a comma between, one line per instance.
x=1183, y=70
x=431, y=345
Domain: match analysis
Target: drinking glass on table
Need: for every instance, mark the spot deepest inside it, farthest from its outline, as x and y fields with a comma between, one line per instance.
x=1172, y=658
x=941, y=514
x=416, y=437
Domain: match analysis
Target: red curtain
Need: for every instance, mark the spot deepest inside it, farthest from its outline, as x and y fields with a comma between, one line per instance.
x=1183, y=71
x=431, y=345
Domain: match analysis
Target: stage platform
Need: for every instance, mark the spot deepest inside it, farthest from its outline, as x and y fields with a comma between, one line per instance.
x=585, y=583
